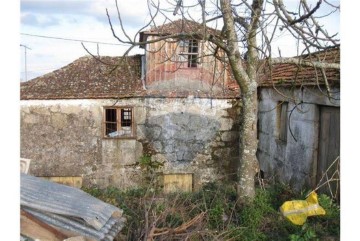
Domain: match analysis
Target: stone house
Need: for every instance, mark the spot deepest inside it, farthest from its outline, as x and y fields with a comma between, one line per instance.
x=297, y=143
x=95, y=119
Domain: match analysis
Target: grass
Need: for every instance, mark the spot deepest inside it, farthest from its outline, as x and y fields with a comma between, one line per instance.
x=213, y=214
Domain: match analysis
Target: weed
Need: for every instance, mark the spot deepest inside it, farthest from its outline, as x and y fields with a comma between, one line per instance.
x=148, y=164
x=328, y=224
x=212, y=213
x=306, y=233
x=150, y=168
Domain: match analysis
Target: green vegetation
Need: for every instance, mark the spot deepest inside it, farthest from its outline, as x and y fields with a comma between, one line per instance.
x=213, y=214
x=149, y=168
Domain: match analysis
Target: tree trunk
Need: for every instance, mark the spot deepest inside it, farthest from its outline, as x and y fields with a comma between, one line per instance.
x=248, y=147
x=248, y=87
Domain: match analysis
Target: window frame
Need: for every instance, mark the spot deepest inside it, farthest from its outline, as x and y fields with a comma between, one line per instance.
x=118, y=122
x=282, y=119
x=188, y=53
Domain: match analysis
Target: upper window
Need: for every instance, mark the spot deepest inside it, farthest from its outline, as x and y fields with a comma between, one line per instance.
x=118, y=122
x=189, y=53
x=282, y=120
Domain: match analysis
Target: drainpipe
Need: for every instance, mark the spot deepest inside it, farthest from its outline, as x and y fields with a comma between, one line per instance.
x=143, y=71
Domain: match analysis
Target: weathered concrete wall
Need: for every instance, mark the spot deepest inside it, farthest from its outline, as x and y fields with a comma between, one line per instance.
x=64, y=138
x=193, y=135
x=291, y=161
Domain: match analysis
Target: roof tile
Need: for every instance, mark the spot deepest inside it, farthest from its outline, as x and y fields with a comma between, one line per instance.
x=182, y=26
x=87, y=78
x=292, y=74
x=109, y=78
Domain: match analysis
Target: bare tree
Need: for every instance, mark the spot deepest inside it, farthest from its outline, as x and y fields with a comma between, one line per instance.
x=248, y=29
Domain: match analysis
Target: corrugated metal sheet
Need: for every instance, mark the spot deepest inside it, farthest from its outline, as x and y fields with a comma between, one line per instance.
x=78, y=226
x=70, y=208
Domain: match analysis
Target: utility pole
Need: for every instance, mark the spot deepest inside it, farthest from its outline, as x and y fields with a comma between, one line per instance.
x=25, y=48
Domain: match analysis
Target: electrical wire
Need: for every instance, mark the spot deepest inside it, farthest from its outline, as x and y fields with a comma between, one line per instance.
x=68, y=39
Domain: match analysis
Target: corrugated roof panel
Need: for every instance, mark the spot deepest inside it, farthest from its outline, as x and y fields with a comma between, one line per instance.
x=69, y=208
x=78, y=227
x=60, y=199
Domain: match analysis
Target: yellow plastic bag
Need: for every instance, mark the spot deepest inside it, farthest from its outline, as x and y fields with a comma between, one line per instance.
x=297, y=211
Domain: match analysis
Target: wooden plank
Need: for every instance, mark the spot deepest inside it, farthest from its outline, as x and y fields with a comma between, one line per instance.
x=329, y=146
x=69, y=181
x=77, y=238
x=281, y=120
x=323, y=143
x=175, y=182
x=38, y=230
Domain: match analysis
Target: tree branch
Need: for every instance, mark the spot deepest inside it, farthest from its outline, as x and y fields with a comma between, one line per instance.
x=302, y=62
x=305, y=16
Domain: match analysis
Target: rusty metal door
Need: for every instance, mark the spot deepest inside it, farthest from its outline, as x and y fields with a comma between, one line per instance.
x=328, y=165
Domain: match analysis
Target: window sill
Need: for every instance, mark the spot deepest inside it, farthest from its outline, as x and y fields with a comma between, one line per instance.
x=119, y=138
x=188, y=68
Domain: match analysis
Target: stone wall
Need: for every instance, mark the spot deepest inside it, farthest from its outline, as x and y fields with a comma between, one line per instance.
x=193, y=135
x=190, y=135
x=291, y=161
x=60, y=137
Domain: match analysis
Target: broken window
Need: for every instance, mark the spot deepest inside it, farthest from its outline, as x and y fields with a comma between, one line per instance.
x=282, y=120
x=188, y=53
x=118, y=122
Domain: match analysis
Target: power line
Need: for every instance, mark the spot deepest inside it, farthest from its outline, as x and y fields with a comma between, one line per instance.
x=68, y=39
x=25, y=48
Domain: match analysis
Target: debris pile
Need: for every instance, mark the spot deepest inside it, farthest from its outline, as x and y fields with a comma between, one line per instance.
x=52, y=211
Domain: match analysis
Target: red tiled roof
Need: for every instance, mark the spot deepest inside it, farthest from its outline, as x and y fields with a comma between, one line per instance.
x=295, y=75
x=182, y=26
x=88, y=78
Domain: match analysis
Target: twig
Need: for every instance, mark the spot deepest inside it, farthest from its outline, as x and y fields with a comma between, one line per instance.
x=332, y=178
x=154, y=232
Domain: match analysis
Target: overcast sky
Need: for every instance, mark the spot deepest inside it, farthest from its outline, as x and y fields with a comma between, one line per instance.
x=70, y=19
x=83, y=20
